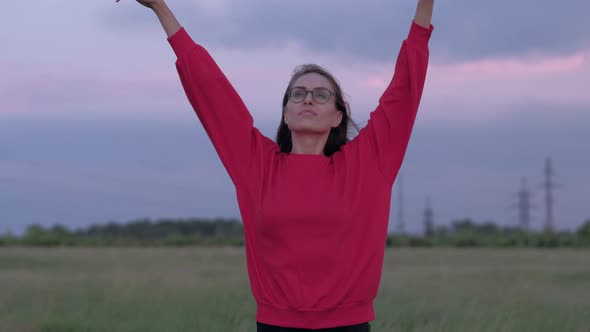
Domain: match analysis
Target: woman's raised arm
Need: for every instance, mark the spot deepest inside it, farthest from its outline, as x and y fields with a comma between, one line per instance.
x=388, y=131
x=225, y=118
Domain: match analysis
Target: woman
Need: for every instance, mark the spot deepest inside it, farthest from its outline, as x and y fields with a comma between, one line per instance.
x=315, y=207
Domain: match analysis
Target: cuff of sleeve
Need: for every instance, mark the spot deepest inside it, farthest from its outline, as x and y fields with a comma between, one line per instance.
x=181, y=42
x=419, y=35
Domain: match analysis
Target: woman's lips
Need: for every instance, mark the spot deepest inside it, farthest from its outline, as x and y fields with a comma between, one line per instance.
x=307, y=112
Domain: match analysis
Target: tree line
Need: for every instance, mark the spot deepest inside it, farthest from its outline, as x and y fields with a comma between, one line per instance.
x=223, y=232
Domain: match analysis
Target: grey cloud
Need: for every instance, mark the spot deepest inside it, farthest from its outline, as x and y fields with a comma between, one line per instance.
x=466, y=170
x=373, y=30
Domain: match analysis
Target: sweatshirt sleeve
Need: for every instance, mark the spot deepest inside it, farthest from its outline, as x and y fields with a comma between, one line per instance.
x=388, y=130
x=222, y=113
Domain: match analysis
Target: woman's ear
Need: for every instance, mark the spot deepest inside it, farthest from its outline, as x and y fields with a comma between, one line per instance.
x=337, y=120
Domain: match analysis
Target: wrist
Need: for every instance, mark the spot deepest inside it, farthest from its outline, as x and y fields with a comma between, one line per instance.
x=159, y=7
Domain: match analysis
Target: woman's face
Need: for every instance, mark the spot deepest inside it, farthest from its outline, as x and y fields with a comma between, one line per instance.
x=311, y=115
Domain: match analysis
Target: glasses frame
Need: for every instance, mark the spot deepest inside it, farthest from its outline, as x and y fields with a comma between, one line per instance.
x=312, y=94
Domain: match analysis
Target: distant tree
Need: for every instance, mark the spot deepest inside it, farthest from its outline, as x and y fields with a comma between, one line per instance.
x=463, y=226
x=60, y=235
x=441, y=231
x=489, y=228
x=584, y=230
x=187, y=232
x=36, y=235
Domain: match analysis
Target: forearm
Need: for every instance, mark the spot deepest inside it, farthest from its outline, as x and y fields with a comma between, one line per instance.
x=392, y=122
x=424, y=13
x=220, y=109
x=167, y=19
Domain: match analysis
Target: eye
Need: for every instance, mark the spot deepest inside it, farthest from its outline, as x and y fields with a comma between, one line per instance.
x=322, y=94
x=298, y=93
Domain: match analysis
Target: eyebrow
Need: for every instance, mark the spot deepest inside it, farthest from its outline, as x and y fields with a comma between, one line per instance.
x=303, y=87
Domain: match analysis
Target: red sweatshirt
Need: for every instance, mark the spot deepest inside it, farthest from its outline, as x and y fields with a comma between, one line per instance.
x=315, y=226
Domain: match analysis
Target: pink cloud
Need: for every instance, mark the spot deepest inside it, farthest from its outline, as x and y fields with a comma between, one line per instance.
x=65, y=90
x=532, y=66
x=5, y=105
x=484, y=89
x=376, y=82
x=558, y=79
x=146, y=81
x=470, y=91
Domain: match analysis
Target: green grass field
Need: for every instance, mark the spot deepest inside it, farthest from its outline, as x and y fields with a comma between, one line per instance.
x=206, y=289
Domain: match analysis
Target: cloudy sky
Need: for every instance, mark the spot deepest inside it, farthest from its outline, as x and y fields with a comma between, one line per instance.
x=94, y=125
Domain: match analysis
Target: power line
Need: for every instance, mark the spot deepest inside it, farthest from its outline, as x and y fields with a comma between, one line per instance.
x=401, y=223
x=524, y=206
x=549, y=186
x=428, y=219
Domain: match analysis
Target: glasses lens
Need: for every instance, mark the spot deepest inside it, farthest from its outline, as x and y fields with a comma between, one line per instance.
x=321, y=95
x=297, y=95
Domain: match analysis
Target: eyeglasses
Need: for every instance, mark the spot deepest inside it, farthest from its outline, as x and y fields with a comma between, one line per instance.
x=319, y=95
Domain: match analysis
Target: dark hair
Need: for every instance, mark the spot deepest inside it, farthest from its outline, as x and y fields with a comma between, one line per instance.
x=338, y=135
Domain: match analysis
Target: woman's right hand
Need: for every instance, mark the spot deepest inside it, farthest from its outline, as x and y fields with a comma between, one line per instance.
x=148, y=3
x=169, y=22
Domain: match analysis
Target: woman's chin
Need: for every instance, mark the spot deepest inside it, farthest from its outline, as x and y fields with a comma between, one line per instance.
x=308, y=130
